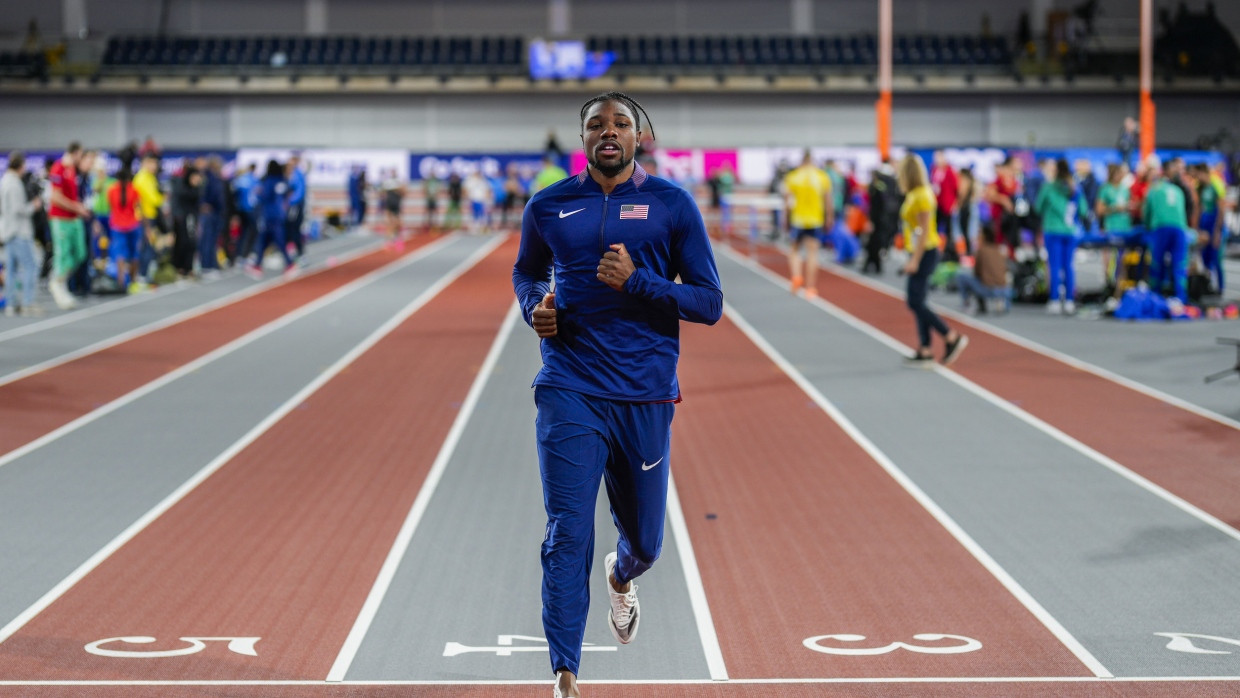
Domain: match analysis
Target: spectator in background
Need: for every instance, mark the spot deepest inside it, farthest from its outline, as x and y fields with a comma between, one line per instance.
x=354, y=190
x=988, y=278
x=211, y=217
x=1213, y=237
x=100, y=210
x=243, y=208
x=1129, y=140
x=68, y=232
x=186, y=201
x=431, y=185
x=271, y=195
x=946, y=193
x=89, y=168
x=1112, y=212
x=922, y=241
x=17, y=233
x=1001, y=195
x=724, y=185
x=1056, y=205
x=550, y=173
x=965, y=203
x=1176, y=172
x=1165, y=215
x=125, y=223
x=452, y=218
x=155, y=230
x=885, y=200
x=150, y=149
x=478, y=191
x=839, y=192
x=1089, y=187
x=296, y=204
x=513, y=192
x=393, y=201
x=810, y=212
x=363, y=188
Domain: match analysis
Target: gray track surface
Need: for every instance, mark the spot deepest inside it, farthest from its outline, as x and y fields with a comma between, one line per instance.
x=472, y=570
x=1173, y=357
x=63, y=502
x=1112, y=562
x=102, y=318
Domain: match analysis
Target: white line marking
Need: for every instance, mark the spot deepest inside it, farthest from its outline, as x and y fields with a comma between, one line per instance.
x=1048, y=352
x=945, y=520
x=177, y=495
x=218, y=353
x=160, y=324
x=693, y=579
x=348, y=652
x=651, y=682
x=1007, y=406
x=117, y=304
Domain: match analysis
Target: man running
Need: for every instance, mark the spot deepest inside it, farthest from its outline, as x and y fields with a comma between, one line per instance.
x=811, y=212
x=616, y=239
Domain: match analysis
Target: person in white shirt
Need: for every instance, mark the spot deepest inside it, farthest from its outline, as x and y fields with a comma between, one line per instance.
x=478, y=191
x=17, y=233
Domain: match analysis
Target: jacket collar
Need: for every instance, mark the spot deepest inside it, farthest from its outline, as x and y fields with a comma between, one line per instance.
x=633, y=183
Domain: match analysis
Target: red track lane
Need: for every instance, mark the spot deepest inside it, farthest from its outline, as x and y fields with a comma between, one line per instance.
x=285, y=541
x=1108, y=689
x=1184, y=453
x=45, y=401
x=807, y=544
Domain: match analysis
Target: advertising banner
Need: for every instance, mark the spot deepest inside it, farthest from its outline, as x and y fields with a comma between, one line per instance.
x=330, y=167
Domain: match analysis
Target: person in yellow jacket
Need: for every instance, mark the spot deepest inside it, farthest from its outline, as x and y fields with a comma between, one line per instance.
x=151, y=200
x=921, y=239
x=810, y=212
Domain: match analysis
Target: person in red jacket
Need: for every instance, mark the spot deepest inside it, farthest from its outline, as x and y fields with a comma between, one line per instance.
x=946, y=189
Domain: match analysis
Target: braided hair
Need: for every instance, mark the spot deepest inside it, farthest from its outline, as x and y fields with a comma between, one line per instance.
x=623, y=99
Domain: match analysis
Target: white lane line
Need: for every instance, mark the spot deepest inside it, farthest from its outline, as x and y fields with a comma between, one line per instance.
x=104, y=307
x=348, y=652
x=693, y=579
x=160, y=324
x=645, y=682
x=218, y=353
x=1007, y=406
x=240, y=444
x=1048, y=352
x=945, y=520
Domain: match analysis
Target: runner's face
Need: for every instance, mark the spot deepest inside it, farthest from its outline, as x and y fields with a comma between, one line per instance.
x=610, y=135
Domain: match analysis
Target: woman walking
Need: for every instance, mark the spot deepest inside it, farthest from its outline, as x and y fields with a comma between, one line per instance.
x=921, y=239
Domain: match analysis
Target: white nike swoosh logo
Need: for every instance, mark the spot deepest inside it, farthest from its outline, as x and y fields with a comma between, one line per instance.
x=566, y=215
x=648, y=467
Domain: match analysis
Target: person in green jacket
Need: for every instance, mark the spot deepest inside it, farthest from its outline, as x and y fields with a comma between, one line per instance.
x=1057, y=204
x=1212, y=194
x=1165, y=216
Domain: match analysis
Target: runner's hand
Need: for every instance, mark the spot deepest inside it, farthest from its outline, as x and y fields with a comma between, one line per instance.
x=543, y=317
x=616, y=267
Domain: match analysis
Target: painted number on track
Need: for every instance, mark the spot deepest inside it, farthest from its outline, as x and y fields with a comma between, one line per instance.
x=237, y=645
x=967, y=644
x=505, y=646
x=1183, y=642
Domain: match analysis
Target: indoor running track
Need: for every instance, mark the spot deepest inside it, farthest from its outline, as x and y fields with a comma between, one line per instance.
x=327, y=486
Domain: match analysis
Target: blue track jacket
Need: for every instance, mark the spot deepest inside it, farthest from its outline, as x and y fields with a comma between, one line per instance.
x=620, y=345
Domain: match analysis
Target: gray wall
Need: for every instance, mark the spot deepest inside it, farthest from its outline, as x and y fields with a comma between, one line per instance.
x=478, y=122
x=531, y=17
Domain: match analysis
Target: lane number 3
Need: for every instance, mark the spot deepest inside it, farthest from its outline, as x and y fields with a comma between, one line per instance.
x=967, y=644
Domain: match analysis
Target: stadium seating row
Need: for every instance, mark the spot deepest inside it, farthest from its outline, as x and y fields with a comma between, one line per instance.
x=861, y=50
x=275, y=51
x=500, y=55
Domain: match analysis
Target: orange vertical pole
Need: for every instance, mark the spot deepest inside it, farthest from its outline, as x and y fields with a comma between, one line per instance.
x=883, y=106
x=1147, y=79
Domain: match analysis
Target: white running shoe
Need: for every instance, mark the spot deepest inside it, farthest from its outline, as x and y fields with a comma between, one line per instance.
x=1069, y=308
x=1054, y=308
x=60, y=294
x=622, y=620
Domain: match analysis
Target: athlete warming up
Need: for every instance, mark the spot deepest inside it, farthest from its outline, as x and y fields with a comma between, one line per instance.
x=615, y=239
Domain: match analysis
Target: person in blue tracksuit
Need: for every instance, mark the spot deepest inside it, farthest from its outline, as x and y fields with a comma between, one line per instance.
x=271, y=193
x=614, y=239
x=296, y=209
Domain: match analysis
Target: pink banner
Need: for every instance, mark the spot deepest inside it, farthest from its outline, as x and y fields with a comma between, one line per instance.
x=692, y=165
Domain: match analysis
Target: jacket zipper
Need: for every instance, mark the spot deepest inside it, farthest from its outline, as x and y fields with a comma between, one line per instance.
x=602, y=241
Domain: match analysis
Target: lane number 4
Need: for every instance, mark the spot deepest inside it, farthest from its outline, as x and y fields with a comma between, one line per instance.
x=1183, y=642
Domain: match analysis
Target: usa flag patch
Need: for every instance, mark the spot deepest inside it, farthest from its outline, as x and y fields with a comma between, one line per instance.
x=628, y=211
